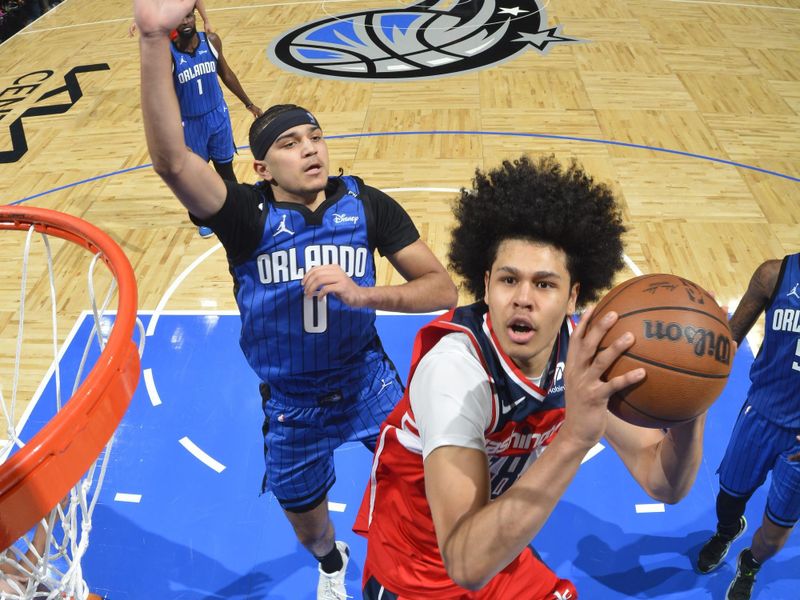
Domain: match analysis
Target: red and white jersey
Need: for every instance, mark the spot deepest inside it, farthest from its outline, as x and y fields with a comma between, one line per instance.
x=522, y=418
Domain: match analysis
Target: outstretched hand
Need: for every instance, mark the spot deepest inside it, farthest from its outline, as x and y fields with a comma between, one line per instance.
x=586, y=393
x=331, y=279
x=160, y=16
x=255, y=111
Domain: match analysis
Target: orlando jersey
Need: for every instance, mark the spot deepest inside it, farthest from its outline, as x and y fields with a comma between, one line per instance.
x=195, y=77
x=775, y=374
x=403, y=551
x=296, y=343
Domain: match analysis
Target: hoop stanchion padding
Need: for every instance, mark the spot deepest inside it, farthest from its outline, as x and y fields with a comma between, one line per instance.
x=39, y=475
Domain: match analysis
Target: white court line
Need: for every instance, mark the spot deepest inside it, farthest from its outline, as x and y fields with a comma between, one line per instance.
x=632, y=265
x=736, y=4
x=132, y=498
x=200, y=455
x=150, y=384
x=593, y=451
x=151, y=326
x=649, y=508
x=336, y=507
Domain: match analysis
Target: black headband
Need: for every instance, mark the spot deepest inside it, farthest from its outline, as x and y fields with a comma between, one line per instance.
x=283, y=122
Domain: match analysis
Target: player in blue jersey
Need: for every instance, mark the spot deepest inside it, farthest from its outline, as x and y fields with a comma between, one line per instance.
x=300, y=246
x=505, y=399
x=765, y=435
x=198, y=65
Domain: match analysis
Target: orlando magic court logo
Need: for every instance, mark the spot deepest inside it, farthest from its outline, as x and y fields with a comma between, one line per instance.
x=431, y=38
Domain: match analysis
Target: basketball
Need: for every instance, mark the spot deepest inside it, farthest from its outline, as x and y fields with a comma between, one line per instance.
x=683, y=342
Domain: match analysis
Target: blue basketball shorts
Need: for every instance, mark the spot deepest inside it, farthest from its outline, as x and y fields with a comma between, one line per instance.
x=758, y=446
x=210, y=136
x=302, y=431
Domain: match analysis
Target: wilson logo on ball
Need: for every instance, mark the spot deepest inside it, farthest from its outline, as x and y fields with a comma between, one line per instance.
x=705, y=342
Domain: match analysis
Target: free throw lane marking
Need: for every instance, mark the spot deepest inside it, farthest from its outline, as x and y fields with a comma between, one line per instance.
x=200, y=455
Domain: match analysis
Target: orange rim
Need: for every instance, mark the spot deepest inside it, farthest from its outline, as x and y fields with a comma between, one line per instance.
x=41, y=473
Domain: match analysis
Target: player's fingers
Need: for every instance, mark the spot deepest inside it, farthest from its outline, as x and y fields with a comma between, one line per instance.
x=591, y=340
x=603, y=360
x=315, y=277
x=583, y=324
x=623, y=381
x=313, y=281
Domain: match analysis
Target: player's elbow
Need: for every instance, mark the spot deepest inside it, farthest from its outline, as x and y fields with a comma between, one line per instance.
x=670, y=498
x=168, y=166
x=465, y=572
x=450, y=295
x=467, y=580
x=670, y=494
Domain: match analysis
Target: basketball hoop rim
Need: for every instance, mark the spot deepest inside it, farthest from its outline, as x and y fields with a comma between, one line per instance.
x=40, y=474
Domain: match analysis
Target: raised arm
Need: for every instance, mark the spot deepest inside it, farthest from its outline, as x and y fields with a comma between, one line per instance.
x=229, y=78
x=201, y=8
x=664, y=464
x=478, y=538
x=759, y=291
x=196, y=185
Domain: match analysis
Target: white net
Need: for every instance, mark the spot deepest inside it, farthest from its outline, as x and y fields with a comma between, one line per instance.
x=45, y=563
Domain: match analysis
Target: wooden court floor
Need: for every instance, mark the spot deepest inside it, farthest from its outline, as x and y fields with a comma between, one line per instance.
x=690, y=109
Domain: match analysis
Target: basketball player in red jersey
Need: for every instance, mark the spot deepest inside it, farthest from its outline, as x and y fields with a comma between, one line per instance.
x=461, y=482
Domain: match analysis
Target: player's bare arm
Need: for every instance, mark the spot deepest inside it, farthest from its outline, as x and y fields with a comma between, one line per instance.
x=664, y=464
x=197, y=186
x=201, y=8
x=428, y=286
x=228, y=77
x=755, y=299
x=478, y=538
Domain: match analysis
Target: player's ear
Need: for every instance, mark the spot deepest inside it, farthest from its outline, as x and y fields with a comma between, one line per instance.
x=573, y=298
x=262, y=170
x=486, y=287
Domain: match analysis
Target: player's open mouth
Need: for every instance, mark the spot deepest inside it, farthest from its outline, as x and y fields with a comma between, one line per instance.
x=520, y=331
x=313, y=169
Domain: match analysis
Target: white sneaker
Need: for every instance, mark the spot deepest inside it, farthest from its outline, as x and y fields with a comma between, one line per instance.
x=331, y=585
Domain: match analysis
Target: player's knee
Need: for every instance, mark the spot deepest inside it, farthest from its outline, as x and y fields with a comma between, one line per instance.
x=774, y=536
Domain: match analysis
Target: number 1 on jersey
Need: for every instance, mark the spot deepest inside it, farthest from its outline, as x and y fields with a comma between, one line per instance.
x=199, y=86
x=315, y=314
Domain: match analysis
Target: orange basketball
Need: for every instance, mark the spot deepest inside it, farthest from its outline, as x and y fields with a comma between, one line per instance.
x=682, y=340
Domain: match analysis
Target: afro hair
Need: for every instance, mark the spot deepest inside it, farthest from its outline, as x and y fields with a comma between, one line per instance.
x=543, y=202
